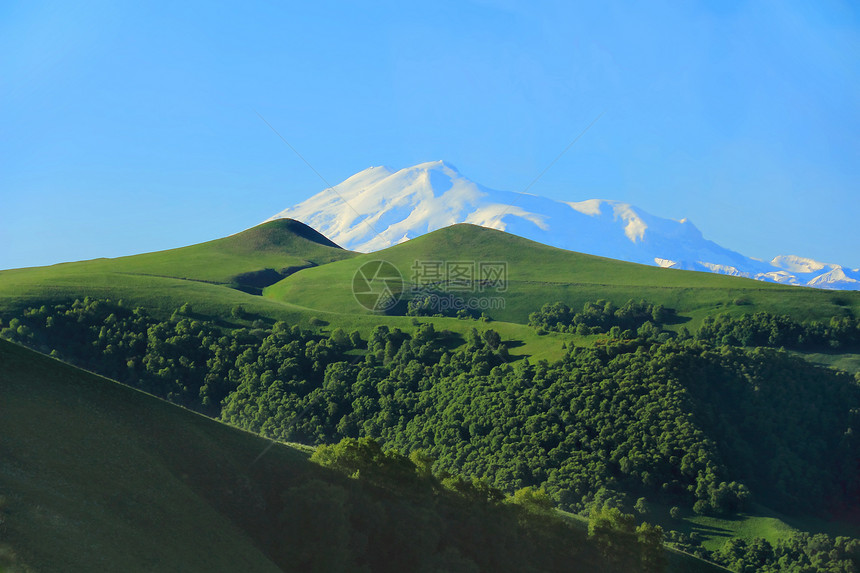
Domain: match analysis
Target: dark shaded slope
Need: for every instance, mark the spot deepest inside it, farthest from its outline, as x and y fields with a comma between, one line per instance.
x=283, y=233
x=100, y=477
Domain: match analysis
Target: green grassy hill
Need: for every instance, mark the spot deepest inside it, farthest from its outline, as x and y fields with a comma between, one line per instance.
x=202, y=274
x=310, y=276
x=537, y=274
x=214, y=276
x=278, y=245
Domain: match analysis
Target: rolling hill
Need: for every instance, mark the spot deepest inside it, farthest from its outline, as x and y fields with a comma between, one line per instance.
x=537, y=274
x=164, y=280
x=303, y=274
x=315, y=283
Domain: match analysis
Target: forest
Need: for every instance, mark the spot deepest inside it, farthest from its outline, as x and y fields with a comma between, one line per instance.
x=707, y=422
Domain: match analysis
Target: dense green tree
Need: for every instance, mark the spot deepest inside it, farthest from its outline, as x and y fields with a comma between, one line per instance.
x=602, y=317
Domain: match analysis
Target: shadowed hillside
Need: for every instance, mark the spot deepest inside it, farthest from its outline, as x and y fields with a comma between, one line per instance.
x=98, y=476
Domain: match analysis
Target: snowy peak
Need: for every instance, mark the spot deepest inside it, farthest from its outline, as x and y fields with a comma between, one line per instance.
x=797, y=264
x=379, y=207
x=837, y=278
x=439, y=165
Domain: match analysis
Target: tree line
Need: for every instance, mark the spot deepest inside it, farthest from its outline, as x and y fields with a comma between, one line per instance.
x=643, y=319
x=632, y=319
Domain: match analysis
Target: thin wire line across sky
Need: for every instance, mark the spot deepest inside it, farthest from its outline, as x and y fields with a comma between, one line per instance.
x=498, y=217
x=328, y=185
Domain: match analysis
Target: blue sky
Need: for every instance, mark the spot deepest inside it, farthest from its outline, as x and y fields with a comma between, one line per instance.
x=132, y=127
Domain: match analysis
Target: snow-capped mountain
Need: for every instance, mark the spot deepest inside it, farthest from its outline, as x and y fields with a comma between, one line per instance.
x=379, y=207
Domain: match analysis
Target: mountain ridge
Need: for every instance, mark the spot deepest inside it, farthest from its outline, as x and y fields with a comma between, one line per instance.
x=379, y=207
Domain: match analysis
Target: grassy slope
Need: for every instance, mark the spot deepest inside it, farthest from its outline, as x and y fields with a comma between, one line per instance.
x=538, y=273
x=759, y=521
x=521, y=339
x=676, y=561
x=277, y=244
x=847, y=361
x=163, y=281
x=166, y=279
x=98, y=476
